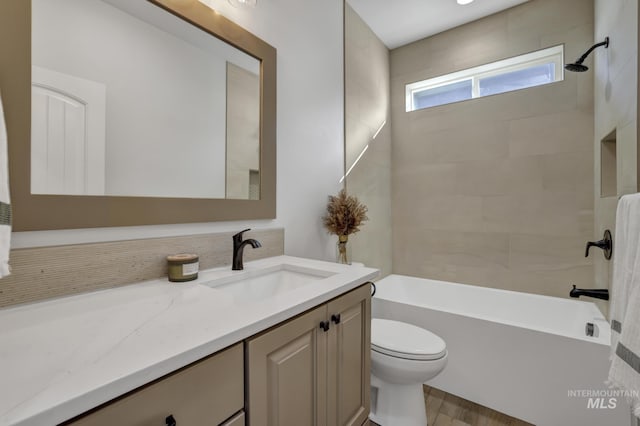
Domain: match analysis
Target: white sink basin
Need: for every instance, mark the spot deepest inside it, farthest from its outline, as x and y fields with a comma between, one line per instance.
x=259, y=284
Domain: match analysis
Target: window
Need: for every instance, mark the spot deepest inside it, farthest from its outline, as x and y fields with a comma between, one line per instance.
x=520, y=72
x=445, y=94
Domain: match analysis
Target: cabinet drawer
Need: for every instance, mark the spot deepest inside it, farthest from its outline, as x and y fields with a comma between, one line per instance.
x=205, y=393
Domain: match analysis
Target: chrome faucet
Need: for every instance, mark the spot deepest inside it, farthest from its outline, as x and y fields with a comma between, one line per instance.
x=238, y=249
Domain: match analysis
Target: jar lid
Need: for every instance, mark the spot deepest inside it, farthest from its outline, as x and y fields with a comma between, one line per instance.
x=182, y=257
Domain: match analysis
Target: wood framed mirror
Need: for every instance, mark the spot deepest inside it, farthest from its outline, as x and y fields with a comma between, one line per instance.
x=47, y=211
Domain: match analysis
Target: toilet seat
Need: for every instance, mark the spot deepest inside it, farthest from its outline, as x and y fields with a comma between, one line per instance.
x=407, y=341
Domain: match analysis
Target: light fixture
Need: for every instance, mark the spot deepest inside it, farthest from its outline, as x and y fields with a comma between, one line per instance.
x=243, y=3
x=464, y=1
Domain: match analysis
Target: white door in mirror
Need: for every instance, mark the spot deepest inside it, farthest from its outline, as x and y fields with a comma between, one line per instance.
x=68, y=116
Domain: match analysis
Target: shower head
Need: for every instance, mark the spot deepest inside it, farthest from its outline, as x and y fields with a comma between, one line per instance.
x=577, y=66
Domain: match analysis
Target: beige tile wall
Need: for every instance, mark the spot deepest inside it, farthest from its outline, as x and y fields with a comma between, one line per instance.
x=615, y=103
x=242, y=131
x=367, y=107
x=497, y=191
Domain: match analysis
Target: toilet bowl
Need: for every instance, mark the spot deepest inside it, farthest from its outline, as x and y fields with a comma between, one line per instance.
x=403, y=357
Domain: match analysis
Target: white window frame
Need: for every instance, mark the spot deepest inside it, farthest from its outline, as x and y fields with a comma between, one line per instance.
x=553, y=55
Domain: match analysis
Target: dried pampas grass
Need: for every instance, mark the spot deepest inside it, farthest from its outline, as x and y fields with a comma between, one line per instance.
x=344, y=215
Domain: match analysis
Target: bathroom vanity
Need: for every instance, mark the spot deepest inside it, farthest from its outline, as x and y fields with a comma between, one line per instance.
x=286, y=341
x=194, y=353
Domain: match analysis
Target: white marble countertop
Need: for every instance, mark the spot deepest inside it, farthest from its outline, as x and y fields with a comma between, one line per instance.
x=62, y=357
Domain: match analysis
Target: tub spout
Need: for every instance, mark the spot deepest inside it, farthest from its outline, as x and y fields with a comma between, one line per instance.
x=598, y=293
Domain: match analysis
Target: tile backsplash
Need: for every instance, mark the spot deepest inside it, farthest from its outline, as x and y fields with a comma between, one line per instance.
x=46, y=272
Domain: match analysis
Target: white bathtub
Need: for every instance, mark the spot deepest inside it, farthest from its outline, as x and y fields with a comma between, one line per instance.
x=520, y=354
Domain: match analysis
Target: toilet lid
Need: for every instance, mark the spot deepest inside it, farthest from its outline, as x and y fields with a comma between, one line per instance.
x=407, y=341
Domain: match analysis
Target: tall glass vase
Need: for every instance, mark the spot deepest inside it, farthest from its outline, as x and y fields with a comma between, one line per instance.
x=343, y=254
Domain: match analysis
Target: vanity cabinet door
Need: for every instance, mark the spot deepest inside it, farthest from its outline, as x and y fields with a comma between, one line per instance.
x=349, y=358
x=286, y=371
x=302, y=374
x=205, y=393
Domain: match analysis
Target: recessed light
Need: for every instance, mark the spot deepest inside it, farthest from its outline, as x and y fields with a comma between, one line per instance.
x=464, y=1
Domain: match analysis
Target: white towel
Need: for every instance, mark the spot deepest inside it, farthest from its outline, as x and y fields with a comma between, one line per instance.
x=625, y=262
x=5, y=203
x=624, y=310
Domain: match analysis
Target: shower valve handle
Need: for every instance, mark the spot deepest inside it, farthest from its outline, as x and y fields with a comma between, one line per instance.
x=605, y=244
x=602, y=244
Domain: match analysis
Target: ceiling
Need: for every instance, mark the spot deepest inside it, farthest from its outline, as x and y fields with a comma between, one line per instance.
x=400, y=22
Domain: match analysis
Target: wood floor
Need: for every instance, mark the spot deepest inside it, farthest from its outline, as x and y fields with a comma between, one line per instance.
x=444, y=409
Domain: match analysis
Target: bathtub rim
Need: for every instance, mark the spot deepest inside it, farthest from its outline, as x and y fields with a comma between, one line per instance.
x=604, y=337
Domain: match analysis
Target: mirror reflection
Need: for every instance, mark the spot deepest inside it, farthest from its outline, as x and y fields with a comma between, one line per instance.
x=129, y=100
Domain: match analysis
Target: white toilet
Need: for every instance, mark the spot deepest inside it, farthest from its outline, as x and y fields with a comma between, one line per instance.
x=403, y=357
